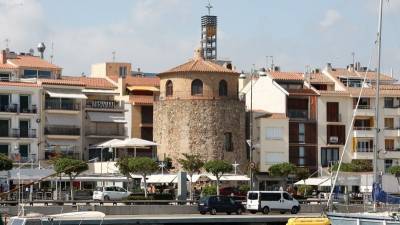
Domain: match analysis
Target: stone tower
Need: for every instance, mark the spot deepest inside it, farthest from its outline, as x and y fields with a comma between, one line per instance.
x=198, y=111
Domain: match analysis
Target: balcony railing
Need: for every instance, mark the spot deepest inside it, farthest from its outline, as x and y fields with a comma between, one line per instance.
x=298, y=114
x=23, y=133
x=363, y=128
x=362, y=107
x=59, y=105
x=365, y=149
x=103, y=104
x=106, y=132
x=392, y=149
x=14, y=108
x=62, y=130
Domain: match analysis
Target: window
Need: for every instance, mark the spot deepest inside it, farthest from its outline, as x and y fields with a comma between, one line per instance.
x=223, y=88
x=389, y=144
x=228, y=142
x=4, y=128
x=302, y=155
x=4, y=102
x=389, y=123
x=270, y=196
x=253, y=196
x=274, y=133
x=197, y=87
x=24, y=151
x=365, y=146
x=122, y=71
x=36, y=73
x=332, y=111
x=329, y=155
x=336, y=134
x=389, y=102
x=363, y=104
x=4, y=149
x=302, y=136
x=4, y=77
x=287, y=196
x=388, y=163
x=169, y=88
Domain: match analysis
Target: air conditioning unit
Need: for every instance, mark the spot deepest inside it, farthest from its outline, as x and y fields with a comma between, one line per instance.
x=333, y=139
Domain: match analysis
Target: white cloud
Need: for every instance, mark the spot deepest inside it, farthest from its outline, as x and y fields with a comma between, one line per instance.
x=331, y=18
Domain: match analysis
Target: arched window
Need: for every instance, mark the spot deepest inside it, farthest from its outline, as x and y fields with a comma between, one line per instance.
x=197, y=87
x=223, y=88
x=169, y=88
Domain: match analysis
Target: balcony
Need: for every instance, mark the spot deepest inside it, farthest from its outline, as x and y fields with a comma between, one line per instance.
x=106, y=133
x=103, y=105
x=391, y=132
x=15, y=108
x=52, y=152
x=391, y=110
x=62, y=130
x=362, y=132
x=364, y=110
x=56, y=104
x=297, y=114
x=23, y=133
x=363, y=154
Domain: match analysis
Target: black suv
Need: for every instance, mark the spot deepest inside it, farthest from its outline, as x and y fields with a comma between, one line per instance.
x=214, y=204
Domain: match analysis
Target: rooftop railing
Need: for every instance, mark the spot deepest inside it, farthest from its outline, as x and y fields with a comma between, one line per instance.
x=103, y=104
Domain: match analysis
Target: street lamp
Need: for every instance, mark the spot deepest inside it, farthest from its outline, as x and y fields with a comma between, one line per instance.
x=261, y=72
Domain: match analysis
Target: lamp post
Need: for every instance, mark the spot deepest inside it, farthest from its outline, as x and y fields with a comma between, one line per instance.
x=261, y=73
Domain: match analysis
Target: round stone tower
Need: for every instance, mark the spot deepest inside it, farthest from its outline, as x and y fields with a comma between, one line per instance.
x=199, y=111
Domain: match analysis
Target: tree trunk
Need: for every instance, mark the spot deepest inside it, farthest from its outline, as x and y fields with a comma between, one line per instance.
x=145, y=185
x=71, y=186
x=217, y=184
x=191, y=186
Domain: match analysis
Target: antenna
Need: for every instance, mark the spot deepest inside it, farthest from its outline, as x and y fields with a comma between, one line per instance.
x=209, y=7
x=7, y=41
x=113, y=56
x=353, y=55
x=52, y=52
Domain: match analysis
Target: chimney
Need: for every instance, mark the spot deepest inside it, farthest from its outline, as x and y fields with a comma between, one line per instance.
x=329, y=66
x=3, y=57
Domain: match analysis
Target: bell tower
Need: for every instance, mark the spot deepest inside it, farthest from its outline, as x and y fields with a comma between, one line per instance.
x=209, y=34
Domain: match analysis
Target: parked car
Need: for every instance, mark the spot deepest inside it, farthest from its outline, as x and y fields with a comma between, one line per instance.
x=215, y=204
x=266, y=201
x=110, y=193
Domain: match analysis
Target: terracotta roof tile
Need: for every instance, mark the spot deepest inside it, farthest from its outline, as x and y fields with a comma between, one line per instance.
x=7, y=66
x=341, y=72
x=273, y=116
x=92, y=82
x=61, y=82
x=319, y=78
x=366, y=92
x=199, y=65
x=301, y=92
x=334, y=93
x=19, y=84
x=143, y=81
x=141, y=99
x=295, y=76
x=32, y=61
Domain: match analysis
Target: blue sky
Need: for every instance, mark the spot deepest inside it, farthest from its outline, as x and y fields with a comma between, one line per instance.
x=158, y=34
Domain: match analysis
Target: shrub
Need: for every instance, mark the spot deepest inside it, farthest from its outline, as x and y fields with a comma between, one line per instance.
x=395, y=170
x=209, y=190
x=304, y=190
x=244, y=188
x=282, y=169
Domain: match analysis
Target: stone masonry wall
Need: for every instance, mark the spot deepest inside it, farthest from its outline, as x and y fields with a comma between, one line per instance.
x=198, y=126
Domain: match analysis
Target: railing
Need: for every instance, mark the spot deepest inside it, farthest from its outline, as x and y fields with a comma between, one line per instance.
x=23, y=133
x=106, y=132
x=362, y=107
x=32, y=109
x=62, y=130
x=298, y=114
x=392, y=149
x=9, y=108
x=364, y=149
x=59, y=105
x=103, y=104
x=363, y=128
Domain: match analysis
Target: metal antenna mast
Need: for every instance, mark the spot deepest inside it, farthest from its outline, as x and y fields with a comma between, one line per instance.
x=113, y=56
x=7, y=41
x=52, y=52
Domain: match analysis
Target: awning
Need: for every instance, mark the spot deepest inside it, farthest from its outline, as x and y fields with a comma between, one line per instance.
x=161, y=179
x=134, y=142
x=142, y=88
x=314, y=181
x=235, y=178
x=62, y=93
x=66, y=120
x=100, y=91
x=108, y=144
x=107, y=117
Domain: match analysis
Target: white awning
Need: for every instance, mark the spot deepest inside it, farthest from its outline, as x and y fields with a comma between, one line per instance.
x=161, y=179
x=66, y=120
x=107, y=117
x=314, y=181
x=100, y=91
x=108, y=144
x=135, y=142
x=235, y=178
x=62, y=93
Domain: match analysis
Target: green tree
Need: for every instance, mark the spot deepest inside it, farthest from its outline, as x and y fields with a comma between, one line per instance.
x=123, y=167
x=356, y=165
x=72, y=168
x=395, y=170
x=302, y=173
x=282, y=169
x=143, y=166
x=5, y=163
x=218, y=168
x=191, y=163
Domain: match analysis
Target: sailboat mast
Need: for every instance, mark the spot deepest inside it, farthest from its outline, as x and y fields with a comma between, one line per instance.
x=378, y=74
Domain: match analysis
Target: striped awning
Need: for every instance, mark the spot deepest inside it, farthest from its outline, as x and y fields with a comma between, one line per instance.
x=142, y=88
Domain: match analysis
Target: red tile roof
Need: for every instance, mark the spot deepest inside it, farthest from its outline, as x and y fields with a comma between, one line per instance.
x=19, y=84
x=142, y=81
x=141, y=99
x=334, y=93
x=201, y=66
x=295, y=76
x=319, y=78
x=92, y=82
x=7, y=66
x=61, y=82
x=301, y=92
x=32, y=61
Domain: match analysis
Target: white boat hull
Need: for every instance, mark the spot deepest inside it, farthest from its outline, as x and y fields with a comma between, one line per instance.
x=384, y=218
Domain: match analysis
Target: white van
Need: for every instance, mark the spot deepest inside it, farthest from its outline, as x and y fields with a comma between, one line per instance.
x=266, y=201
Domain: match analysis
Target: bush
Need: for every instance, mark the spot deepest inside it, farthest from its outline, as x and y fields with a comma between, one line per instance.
x=304, y=190
x=282, y=169
x=209, y=190
x=356, y=165
x=395, y=170
x=244, y=188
